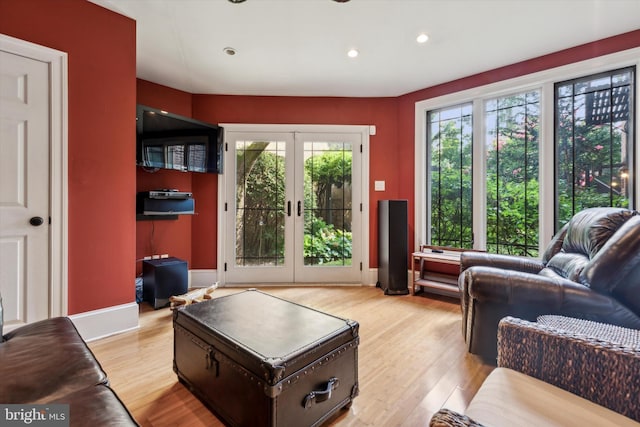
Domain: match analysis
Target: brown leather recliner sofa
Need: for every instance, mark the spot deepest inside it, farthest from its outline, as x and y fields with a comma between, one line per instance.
x=590, y=270
x=48, y=362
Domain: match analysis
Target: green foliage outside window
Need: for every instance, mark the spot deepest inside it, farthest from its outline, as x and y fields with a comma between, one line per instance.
x=512, y=174
x=592, y=147
x=451, y=181
x=327, y=225
x=260, y=202
x=512, y=125
x=325, y=244
x=261, y=207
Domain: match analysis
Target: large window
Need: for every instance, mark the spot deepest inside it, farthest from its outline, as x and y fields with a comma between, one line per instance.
x=512, y=126
x=502, y=167
x=594, y=142
x=450, y=136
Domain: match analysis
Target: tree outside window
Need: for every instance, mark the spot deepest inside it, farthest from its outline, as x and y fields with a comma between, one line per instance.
x=593, y=136
x=593, y=165
x=260, y=203
x=512, y=126
x=450, y=136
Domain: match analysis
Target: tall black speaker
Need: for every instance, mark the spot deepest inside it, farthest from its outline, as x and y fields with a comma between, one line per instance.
x=162, y=278
x=393, y=259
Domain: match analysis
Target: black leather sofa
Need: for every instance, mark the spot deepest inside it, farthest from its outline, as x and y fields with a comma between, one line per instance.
x=48, y=362
x=590, y=270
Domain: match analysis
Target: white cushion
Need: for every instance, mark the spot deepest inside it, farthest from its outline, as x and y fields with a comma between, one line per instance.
x=509, y=398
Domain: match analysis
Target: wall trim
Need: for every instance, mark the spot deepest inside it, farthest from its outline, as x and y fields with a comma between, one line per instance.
x=373, y=277
x=202, y=278
x=105, y=322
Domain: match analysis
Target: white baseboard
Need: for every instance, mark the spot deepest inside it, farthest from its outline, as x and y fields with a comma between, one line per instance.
x=373, y=276
x=104, y=322
x=202, y=278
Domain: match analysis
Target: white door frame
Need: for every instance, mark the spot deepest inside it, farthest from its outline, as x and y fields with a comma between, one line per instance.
x=271, y=128
x=58, y=250
x=280, y=273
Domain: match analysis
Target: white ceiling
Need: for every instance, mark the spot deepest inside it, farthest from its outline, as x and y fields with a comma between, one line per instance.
x=298, y=47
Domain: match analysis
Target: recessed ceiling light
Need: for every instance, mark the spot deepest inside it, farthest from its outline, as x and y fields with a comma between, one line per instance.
x=353, y=53
x=422, y=38
x=229, y=51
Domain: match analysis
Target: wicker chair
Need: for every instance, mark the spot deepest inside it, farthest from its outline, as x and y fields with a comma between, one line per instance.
x=558, y=371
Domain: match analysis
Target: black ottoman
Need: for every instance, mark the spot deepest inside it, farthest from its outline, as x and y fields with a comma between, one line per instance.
x=258, y=360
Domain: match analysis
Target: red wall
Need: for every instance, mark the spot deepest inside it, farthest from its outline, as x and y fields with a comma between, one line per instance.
x=204, y=234
x=101, y=47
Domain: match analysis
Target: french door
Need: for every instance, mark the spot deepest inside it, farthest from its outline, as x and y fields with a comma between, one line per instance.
x=293, y=207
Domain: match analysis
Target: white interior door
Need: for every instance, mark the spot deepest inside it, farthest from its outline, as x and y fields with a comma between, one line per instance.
x=24, y=189
x=293, y=207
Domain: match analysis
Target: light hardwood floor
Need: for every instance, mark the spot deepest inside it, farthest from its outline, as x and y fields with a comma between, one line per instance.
x=411, y=359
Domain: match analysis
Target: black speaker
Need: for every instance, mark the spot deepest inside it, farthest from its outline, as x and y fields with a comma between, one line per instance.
x=162, y=278
x=393, y=259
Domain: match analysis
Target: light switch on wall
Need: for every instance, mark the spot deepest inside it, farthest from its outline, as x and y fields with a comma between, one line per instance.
x=378, y=185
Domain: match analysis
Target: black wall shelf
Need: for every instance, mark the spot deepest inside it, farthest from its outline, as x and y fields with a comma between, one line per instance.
x=140, y=217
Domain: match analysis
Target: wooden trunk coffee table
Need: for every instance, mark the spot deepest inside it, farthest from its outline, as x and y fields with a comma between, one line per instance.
x=258, y=360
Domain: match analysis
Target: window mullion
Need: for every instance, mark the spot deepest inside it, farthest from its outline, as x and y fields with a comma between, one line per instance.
x=479, y=177
x=526, y=173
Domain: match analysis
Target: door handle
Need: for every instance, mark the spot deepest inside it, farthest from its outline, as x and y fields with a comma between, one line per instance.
x=36, y=221
x=289, y=208
x=299, y=207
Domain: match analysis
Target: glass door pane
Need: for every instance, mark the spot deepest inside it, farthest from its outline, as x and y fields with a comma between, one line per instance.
x=328, y=173
x=260, y=197
x=259, y=228
x=327, y=203
x=293, y=210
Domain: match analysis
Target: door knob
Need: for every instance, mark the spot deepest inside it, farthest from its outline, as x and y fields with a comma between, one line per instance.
x=36, y=221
